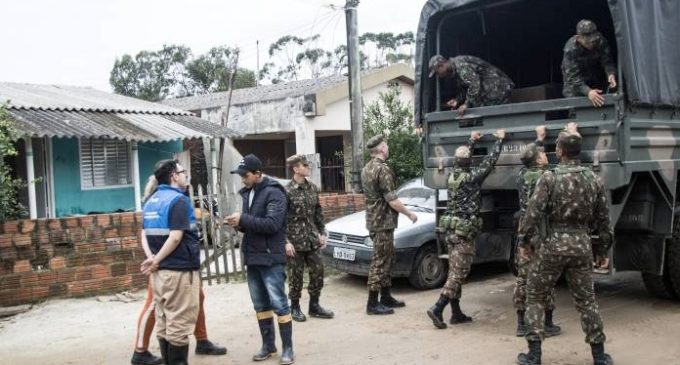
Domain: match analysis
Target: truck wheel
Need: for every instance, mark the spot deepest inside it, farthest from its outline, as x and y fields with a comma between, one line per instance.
x=429, y=271
x=672, y=272
x=658, y=286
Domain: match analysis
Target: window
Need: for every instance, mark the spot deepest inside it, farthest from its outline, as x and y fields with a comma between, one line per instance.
x=104, y=163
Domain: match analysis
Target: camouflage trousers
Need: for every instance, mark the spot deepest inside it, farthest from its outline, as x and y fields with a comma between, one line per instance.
x=519, y=296
x=382, y=261
x=542, y=278
x=296, y=272
x=461, y=255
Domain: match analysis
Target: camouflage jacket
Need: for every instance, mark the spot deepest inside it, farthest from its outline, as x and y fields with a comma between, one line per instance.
x=479, y=83
x=583, y=69
x=574, y=200
x=526, y=184
x=379, y=184
x=466, y=201
x=305, y=217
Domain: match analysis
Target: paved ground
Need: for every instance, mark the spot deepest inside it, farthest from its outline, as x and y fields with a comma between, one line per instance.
x=640, y=329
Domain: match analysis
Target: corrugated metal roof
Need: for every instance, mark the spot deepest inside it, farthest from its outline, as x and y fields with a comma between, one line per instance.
x=76, y=98
x=128, y=126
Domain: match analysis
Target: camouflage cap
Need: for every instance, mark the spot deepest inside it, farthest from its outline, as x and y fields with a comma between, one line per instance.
x=375, y=141
x=586, y=28
x=570, y=142
x=296, y=159
x=529, y=154
x=434, y=61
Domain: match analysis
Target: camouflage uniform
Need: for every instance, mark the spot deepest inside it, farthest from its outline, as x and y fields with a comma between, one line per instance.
x=464, y=203
x=379, y=184
x=526, y=184
x=305, y=223
x=574, y=200
x=479, y=83
x=584, y=69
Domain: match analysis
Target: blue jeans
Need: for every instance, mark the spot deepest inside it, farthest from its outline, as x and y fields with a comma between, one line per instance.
x=267, y=288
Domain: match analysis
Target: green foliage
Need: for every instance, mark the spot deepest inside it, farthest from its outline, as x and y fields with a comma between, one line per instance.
x=173, y=72
x=10, y=207
x=393, y=118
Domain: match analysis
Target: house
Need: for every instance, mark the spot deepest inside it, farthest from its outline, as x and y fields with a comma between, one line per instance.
x=306, y=116
x=84, y=151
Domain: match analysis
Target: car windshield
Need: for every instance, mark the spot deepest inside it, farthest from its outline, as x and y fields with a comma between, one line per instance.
x=413, y=193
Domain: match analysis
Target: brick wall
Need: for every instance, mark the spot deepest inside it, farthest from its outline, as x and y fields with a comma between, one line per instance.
x=69, y=257
x=338, y=205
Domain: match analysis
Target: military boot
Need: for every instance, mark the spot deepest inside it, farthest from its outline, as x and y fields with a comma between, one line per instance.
x=533, y=357
x=163, y=344
x=599, y=356
x=374, y=307
x=296, y=312
x=457, y=316
x=286, y=332
x=145, y=358
x=388, y=300
x=550, y=328
x=268, y=339
x=435, y=312
x=178, y=355
x=316, y=310
x=206, y=347
x=521, y=327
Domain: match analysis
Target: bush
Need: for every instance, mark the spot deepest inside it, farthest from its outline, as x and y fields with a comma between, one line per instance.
x=10, y=207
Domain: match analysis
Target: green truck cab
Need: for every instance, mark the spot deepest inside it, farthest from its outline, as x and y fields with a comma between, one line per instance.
x=632, y=142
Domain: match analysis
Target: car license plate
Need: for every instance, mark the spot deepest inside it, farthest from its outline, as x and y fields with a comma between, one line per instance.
x=347, y=254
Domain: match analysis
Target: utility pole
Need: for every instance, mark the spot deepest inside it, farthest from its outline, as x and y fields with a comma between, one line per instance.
x=356, y=109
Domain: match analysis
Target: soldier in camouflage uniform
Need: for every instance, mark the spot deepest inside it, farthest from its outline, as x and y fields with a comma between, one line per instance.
x=382, y=209
x=306, y=234
x=574, y=201
x=587, y=61
x=535, y=163
x=461, y=223
x=478, y=82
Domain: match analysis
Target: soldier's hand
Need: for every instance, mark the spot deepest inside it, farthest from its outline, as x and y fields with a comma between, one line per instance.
x=475, y=135
x=595, y=98
x=602, y=262
x=290, y=250
x=541, y=132
x=572, y=127
x=453, y=103
x=524, y=253
x=500, y=134
x=612, y=81
x=461, y=110
x=413, y=217
x=322, y=241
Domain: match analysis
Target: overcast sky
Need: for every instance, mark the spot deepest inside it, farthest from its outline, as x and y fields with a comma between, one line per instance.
x=75, y=42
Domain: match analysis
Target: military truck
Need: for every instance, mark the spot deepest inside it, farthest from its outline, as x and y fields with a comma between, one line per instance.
x=632, y=142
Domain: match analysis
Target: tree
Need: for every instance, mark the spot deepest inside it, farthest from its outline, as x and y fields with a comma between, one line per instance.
x=388, y=48
x=393, y=118
x=211, y=72
x=10, y=207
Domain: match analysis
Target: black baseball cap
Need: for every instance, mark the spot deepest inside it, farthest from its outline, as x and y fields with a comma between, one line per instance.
x=249, y=163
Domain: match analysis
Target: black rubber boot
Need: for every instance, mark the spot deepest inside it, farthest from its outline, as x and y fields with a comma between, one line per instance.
x=268, y=339
x=145, y=358
x=599, y=356
x=163, y=344
x=296, y=312
x=374, y=307
x=316, y=310
x=435, y=312
x=533, y=357
x=287, y=355
x=521, y=327
x=205, y=347
x=549, y=327
x=178, y=355
x=457, y=316
x=388, y=300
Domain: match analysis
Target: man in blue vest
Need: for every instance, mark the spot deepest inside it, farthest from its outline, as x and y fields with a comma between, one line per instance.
x=169, y=228
x=263, y=223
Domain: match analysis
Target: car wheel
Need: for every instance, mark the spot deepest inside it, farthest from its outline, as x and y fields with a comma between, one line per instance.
x=429, y=271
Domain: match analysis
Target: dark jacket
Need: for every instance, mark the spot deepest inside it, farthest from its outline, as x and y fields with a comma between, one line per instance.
x=264, y=224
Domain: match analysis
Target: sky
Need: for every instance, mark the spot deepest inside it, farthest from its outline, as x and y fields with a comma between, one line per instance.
x=75, y=42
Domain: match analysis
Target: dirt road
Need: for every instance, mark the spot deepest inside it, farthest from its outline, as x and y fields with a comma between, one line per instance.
x=640, y=329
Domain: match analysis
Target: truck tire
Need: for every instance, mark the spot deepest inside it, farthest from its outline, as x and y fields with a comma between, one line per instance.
x=659, y=286
x=672, y=272
x=429, y=271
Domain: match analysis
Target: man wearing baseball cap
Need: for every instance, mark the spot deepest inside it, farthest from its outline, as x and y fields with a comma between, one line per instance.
x=478, y=82
x=587, y=66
